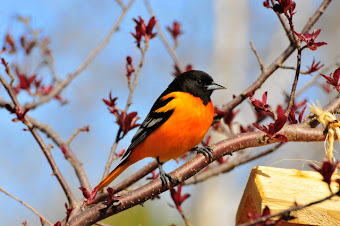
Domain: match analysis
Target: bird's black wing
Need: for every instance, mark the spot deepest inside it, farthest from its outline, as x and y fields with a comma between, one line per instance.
x=152, y=121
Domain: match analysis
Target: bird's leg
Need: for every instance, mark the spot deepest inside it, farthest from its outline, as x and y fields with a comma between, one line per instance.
x=206, y=151
x=165, y=178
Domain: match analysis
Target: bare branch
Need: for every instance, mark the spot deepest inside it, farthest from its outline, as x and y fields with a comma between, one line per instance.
x=263, y=68
x=171, y=50
x=26, y=205
x=81, y=67
x=294, y=133
x=279, y=61
x=296, y=79
x=128, y=104
x=71, y=157
x=42, y=145
x=68, y=142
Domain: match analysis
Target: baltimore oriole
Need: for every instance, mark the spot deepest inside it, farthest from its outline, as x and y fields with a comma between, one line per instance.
x=176, y=123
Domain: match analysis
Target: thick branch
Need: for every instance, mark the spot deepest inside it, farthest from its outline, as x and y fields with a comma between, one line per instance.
x=228, y=166
x=293, y=133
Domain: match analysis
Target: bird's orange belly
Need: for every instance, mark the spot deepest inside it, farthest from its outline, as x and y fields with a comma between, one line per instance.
x=184, y=130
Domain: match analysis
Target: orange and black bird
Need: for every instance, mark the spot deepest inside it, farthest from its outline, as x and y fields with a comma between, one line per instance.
x=176, y=123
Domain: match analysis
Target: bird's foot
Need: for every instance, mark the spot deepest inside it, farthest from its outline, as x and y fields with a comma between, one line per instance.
x=165, y=178
x=206, y=151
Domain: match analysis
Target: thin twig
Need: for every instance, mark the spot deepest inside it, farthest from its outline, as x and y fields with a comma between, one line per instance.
x=287, y=211
x=26, y=205
x=68, y=142
x=279, y=61
x=128, y=104
x=314, y=80
x=296, y=79
x=71, y=157
x=171, y=50
x=284, y=25
x=263, y=68
x=294, y=133
x=81, y=67
x=186, y=221
x=46, y=151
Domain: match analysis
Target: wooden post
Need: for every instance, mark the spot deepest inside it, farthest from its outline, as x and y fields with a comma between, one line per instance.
x=280, y=188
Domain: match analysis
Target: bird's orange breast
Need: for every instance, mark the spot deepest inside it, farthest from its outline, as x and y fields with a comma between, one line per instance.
x=184, y=130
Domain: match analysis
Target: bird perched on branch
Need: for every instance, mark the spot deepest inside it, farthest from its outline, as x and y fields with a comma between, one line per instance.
x=176, y=123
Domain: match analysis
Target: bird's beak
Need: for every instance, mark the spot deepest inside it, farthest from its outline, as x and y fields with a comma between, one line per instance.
x=214, y=86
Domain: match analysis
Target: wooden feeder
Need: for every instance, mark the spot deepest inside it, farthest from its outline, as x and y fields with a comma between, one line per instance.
x=280, y=188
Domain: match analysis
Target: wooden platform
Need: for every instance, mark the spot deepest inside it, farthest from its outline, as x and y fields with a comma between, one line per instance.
x=279, y=188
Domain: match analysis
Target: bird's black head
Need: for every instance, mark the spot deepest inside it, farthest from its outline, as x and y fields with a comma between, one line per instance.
x=197, y=83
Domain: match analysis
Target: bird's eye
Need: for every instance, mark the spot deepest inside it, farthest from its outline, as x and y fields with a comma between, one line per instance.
x=199, y=82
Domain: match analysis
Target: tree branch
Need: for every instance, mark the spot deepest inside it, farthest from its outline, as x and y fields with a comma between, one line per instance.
x=26, y=205
x=171, y=50
x=81, y=67
x=279, y=61
x=46, y=151
x=71, y=157
x=294, y=133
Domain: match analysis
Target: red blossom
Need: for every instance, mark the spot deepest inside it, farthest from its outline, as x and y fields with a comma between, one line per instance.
x=112, y=196
x=143, y=30
x=175, y=30
x=178, y=71
x=285, y=6
x=111, y=104
x=266, y=4
x=10, y=41
x=262, y=107
x=24, y=223
x=265, y=212
x=90, y=196
x=86, y=128
x=24, y=82
x=326, y=170
x=309, y=39
x=129, y=68
x=57, y=224
x=42, y=222
x=314, y=67
x=223, y=159
x=20, y=114
x=246, y=129
x=64, y=151
x=228, y=116
x=178, y=197
x=333, y=79
x=45, y=90
x=292, y=118
x=127, y=122
x=274, y=128
x=68, y=211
